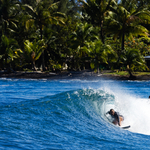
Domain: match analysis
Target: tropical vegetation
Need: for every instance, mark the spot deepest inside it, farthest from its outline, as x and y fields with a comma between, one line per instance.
x=52, y=35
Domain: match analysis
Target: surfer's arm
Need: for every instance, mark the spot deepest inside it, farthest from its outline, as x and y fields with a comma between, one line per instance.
x=118, y=119
x=107, y=113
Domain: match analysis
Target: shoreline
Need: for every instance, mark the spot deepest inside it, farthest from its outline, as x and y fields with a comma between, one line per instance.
x=89, y=75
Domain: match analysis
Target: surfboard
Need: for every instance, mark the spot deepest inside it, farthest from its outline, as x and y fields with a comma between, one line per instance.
x=126, y=127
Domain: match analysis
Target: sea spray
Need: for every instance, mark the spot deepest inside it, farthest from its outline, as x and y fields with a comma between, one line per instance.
x=135, y=110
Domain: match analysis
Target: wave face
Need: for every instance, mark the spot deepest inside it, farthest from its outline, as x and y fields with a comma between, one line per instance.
x=72, y=115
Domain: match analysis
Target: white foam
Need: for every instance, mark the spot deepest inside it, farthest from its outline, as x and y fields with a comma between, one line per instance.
x=135, y=110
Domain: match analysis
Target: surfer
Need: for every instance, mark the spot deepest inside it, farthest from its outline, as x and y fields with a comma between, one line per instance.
x=117, y=117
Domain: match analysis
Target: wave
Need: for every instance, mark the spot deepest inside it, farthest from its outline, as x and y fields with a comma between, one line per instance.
x=75, y=117
x=74, y=112
x=92, y=105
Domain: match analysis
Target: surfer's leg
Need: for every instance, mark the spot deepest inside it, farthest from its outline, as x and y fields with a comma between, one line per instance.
x=115, y=122
x=121, y=119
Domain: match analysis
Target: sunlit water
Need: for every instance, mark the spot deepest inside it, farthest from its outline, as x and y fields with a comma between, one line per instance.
x=71, y=114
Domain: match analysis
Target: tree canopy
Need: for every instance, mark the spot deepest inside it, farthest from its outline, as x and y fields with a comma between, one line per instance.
x=94, y=34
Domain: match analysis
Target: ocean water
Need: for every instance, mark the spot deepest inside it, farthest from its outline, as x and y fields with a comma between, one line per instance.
x=71, y=114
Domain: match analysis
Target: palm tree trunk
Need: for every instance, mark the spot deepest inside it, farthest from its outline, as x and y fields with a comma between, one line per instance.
x=6, y=56
x=101, y=32
x=6, y=34
x=122, y=44
x=43, y=60
x=132, y=77
x=96, y=63
x=123, y=37
x=34, y=67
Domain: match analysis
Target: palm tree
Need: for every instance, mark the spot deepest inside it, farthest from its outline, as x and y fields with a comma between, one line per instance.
x=33, y=50
x=100, y=53
x=80, y=38
x=83, y=34
x=9, y=10
x=9, y=50
x=125, y=21
x=133, y=60
x=41, y=15
x=95, y=11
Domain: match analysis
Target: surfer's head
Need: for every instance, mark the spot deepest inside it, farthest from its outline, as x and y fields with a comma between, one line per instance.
x=111, y=112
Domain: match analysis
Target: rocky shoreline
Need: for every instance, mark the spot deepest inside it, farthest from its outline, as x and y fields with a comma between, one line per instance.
x=69, y=75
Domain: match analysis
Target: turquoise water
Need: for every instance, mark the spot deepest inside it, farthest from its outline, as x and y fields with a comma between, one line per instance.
x=70, y=114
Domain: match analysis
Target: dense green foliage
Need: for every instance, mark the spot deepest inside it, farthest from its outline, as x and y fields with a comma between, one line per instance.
x=94, y=34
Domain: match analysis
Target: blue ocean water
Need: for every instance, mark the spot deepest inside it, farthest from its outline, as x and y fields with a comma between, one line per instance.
x=71, y=114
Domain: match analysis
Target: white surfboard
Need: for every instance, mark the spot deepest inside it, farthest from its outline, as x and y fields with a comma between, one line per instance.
x=126, y=127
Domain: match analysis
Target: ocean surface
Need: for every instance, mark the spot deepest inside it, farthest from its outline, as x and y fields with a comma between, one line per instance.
x=71, y=114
